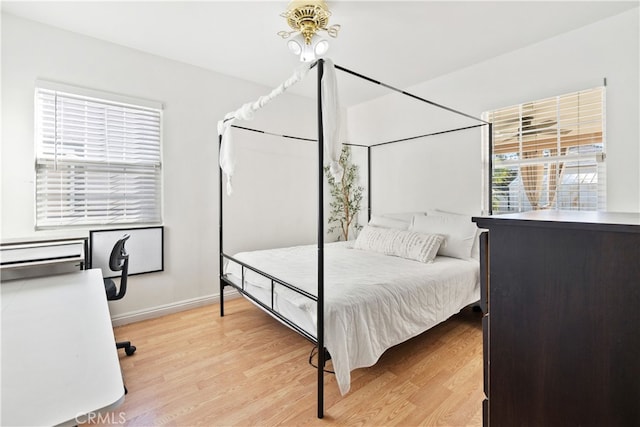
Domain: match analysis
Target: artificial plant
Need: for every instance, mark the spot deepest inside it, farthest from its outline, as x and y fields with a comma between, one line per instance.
x=346, y=196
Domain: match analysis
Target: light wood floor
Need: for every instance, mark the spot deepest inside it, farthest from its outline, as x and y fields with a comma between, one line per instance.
x=246, y=369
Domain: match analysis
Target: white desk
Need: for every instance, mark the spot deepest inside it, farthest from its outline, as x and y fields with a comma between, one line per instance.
x=59, y=359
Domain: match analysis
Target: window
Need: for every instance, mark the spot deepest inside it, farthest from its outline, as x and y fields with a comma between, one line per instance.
x=549, y=154
x=97, y=158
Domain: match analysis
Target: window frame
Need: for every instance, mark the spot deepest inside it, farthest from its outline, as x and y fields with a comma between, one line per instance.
x=108, y=172
x=555, y=150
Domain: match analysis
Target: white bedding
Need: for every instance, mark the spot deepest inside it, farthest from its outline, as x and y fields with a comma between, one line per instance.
x=372, y=301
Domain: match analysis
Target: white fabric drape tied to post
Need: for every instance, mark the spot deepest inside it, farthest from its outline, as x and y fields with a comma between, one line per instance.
x=330, y=114
x=331, y=121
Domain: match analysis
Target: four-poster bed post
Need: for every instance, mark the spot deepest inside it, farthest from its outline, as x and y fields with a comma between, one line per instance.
x=320, y=310
x=220, y=230
x=368, y=184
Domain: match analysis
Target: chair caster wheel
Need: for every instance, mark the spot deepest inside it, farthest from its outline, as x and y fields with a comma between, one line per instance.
x=130, y=350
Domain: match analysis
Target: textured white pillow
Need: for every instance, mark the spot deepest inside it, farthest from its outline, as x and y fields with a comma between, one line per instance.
x=400, y=243
x=383, y=221
x=458, y=231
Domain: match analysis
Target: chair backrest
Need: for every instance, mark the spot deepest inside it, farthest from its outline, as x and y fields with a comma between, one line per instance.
x=119, y=261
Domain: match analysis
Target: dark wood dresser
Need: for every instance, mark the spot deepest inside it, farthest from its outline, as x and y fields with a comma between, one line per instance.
x=561, y=297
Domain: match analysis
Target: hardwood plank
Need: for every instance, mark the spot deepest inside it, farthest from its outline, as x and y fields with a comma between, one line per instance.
x=246, y=369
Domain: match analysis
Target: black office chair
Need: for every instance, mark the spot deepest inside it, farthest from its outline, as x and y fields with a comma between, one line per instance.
x=119, y=261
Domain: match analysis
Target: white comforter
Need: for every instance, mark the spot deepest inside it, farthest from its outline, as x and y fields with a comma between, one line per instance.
x=372, y=301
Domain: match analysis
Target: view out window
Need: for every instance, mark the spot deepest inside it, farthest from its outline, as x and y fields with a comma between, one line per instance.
x=97, y=160
x=549, y=154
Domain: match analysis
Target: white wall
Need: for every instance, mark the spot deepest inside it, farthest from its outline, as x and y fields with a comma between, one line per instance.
x=572, y=61
x=194, y=100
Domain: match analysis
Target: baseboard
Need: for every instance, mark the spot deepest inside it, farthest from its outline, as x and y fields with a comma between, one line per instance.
x=163, y=310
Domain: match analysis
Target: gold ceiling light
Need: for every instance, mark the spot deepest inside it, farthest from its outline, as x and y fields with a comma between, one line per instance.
x=307, y=17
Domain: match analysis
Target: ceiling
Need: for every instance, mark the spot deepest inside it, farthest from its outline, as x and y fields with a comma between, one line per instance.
x=397, y=42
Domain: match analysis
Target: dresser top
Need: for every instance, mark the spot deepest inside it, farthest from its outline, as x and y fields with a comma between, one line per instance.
x=606, y=221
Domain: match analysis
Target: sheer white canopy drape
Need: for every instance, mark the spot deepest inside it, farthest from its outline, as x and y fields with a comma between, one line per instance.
x=330, y=115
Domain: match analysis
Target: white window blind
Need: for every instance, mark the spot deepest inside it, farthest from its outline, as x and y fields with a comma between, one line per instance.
x=97, y=161
x=550, y=154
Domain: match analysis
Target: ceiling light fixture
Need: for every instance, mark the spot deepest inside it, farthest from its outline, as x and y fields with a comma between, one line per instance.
x=307, y=17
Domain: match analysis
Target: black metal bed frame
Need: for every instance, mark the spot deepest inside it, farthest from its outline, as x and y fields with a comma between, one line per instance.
x=318, y=340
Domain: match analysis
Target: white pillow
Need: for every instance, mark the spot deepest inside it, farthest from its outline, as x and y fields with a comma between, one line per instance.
x=400, y=243
x=458, y=231
x=383, y=221
x=475, y=249
x=403, y=216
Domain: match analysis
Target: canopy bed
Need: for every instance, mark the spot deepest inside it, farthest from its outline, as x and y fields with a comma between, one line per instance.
x=353, y=300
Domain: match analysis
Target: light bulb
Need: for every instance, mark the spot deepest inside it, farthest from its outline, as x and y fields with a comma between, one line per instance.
x=307, y=54
x=294, y=47
x=321, y=47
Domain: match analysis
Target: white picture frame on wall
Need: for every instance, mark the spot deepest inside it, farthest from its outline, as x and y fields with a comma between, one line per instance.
x=145, y=248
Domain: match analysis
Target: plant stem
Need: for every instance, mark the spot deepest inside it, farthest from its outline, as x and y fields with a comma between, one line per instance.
x=345, y=197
